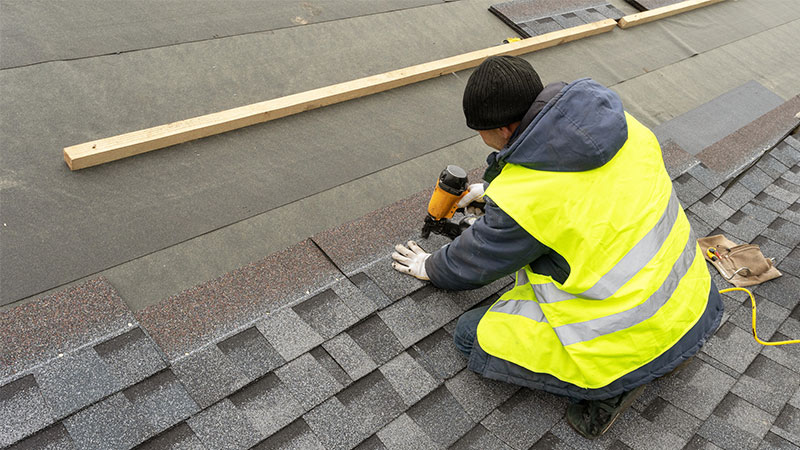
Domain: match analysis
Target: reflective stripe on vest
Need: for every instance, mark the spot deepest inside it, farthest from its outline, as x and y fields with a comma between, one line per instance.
x=625, y=269
x=583, y=331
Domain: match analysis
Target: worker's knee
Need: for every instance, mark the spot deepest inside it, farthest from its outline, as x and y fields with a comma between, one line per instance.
x=467, y=329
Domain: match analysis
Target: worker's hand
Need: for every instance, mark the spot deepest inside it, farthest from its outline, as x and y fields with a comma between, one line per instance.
x=410, y=260
x=471, y=202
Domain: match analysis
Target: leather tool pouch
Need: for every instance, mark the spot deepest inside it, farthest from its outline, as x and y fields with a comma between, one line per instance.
x=742, y=265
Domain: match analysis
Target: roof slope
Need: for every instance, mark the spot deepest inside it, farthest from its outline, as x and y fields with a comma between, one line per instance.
x=324, y=345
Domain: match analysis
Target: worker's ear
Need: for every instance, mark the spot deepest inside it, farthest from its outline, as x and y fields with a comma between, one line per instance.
x=506, y=132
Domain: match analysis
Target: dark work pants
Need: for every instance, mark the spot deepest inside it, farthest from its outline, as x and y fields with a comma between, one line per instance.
x=467, y=329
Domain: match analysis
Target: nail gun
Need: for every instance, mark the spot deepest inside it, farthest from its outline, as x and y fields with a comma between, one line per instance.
x=451, y=186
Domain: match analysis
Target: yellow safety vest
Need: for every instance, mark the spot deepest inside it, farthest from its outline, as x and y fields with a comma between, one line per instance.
x=637, y=281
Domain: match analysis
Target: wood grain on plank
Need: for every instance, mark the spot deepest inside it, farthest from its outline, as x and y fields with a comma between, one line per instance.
x=665, y=11
x=122, y=146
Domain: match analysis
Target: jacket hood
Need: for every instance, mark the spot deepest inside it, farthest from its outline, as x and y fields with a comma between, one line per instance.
x=581, y=128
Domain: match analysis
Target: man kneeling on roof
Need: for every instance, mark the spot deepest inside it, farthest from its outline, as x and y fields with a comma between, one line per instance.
x=611, y=290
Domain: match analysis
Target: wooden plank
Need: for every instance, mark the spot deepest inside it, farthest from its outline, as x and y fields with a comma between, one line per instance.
x=117, y=147
x=665, y=11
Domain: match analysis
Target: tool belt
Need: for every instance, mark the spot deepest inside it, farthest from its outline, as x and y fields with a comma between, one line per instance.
x=742, y=265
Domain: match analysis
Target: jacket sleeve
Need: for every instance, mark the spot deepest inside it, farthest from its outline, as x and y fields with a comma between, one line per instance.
x=494, y=246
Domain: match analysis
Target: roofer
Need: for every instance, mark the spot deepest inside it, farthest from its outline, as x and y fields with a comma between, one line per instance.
x=611, y=290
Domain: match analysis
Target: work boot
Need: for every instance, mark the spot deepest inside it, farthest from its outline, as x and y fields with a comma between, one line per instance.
x=592, y=418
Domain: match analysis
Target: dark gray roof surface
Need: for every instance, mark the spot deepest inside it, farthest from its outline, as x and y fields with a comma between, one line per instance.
x=324, y=345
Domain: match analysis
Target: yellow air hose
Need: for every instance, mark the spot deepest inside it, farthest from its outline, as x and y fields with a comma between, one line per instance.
x=755, y=335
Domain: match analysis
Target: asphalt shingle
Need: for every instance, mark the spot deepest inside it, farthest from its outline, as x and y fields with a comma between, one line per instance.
x=375, y=338
x=791, y=263
x=393, y=283
x=478, y=439
x=308, y=381
x=110, y=423
x=787, y=152
x=742, y=227
x=666, y=416
x=326, y=360
x=208, y=375
x=783, y=232
x=408, y=321
x=372, y=402
x=760, y=213
x=334, y=425
x=352, y=358
x=787, y=425
x=23, y=410
x=251, y=353
x=755, y=180
x=771, y=166
x=697, y=389
x=267, y=404
x=224, y=426
x=767, y=201
x=370, y=290
x=782, y=290
x=131, y=357
x=525, y=418
x=689, y=190
x=161, y=401
x=441, y=417
x=54, y=437
x=296, y=436
x=179, y=437
x=439, y=306
x=732, y=346
x=37, y=331
x=356, y=297
x=326, y=313
x=408, y=378
x=737, y=196
x=478, y=396
x=63, y=381
x=404, y=433
x=712, y=211
x=768, y=318
x=437, y=354
x=288, y=333
x=767, y=385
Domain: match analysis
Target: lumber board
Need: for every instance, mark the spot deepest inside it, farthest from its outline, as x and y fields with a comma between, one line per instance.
x=122, y=146
x=665, y=11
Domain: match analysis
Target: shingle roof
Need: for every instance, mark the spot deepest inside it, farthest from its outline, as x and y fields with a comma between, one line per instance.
x=324, y=345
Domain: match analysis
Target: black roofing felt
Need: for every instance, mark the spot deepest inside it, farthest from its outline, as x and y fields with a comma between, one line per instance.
x=350, y=354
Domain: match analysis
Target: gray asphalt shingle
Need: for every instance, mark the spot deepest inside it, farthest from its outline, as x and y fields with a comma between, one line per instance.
x=478, y=396
x=326, y=313
x=288, y=333
x=408, y=378
x=161, y=401
x=251, y=353
x=441, y=417
x=63, y=381
x=268, y=404
x=208, y=375
x=23, y=410
x=131, y=357
x=352, y=358
x=110, y=423
x=404, y=433
x=375, y=338
x=308, y=381
x=223, y=426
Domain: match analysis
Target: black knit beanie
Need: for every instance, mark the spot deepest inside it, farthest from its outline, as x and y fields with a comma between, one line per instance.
x=499, y=92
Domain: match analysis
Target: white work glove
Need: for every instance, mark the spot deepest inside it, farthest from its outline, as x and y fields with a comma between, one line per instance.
x=474, y=194
x=410, y=260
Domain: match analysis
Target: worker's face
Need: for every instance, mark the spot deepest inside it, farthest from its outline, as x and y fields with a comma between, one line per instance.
x=495, y=138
